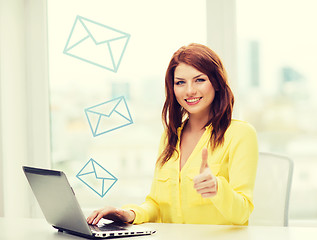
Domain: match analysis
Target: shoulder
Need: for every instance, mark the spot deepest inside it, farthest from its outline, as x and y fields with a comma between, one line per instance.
x=239, y=128
x=237, y=125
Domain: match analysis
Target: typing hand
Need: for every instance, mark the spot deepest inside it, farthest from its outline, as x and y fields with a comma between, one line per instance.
x=111, y=213
x=205, y=183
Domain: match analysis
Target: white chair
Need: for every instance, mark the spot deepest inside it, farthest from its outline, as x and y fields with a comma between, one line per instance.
x=272, y=190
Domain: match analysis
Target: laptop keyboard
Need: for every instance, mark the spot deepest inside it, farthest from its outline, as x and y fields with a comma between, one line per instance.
x=109, y=227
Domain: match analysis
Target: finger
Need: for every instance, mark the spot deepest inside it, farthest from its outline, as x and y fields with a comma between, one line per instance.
x=91, y=217
x=209, y=195
x=204, y=156
x=114, y=214
x=204, y=176
x=205, y=184
x=206, y=190
x=102, y=213
x=98, y=217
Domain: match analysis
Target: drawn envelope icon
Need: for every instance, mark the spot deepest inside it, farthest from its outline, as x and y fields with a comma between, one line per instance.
x=96, y=44
x=96, y=177
x=108, y=116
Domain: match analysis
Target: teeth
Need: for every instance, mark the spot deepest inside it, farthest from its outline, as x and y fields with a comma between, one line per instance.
x=192, y=100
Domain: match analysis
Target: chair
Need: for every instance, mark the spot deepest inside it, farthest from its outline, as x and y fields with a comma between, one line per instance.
x=272, y=190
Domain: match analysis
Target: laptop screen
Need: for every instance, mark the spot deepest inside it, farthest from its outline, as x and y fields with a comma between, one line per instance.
x=57, y=199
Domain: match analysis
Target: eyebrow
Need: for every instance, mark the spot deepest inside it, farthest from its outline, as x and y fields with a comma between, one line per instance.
x=193, y=77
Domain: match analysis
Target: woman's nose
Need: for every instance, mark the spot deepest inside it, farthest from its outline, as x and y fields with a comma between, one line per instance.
x=191, y=90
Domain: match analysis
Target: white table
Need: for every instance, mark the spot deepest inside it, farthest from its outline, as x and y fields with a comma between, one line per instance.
x=39, y=229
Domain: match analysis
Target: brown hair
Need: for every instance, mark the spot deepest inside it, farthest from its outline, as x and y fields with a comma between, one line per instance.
x=206, y=61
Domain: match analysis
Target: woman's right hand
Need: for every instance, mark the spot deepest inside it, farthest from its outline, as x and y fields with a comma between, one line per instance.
x=111, y=213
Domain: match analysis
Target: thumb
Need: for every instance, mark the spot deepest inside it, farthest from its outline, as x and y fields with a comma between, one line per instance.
x=204, y=156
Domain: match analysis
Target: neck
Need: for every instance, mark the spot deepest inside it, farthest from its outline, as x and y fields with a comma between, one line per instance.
x=197, y=123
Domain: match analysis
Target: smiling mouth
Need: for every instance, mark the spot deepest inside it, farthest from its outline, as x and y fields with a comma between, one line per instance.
x=193, y=100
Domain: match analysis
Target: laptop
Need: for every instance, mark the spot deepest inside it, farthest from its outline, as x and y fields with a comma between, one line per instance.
x=61, y=208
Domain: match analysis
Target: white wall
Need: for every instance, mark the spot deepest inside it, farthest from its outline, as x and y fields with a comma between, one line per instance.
x=221, y=33
x=24, y=108
x=222, y=36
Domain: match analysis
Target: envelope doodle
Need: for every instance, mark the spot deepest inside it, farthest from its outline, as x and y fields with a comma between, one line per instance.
x=108, y=116
x=96, y=177
x=96, y=44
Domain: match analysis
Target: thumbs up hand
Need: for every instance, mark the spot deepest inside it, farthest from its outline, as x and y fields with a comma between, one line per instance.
x=205, y=183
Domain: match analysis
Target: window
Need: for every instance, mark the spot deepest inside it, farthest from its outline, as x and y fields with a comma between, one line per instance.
x=277, y=85
x=157, y=29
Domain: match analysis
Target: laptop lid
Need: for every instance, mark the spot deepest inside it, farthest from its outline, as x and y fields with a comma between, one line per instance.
x=61, y=209
x=57, y=199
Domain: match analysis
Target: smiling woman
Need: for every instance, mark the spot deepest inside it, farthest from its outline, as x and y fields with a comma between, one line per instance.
x=203, y=151
x=196, y=60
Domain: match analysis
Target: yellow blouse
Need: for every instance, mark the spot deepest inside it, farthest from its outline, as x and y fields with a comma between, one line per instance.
x=173, y=199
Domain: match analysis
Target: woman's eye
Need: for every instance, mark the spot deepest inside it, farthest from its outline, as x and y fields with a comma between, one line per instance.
x=179, y=82
x=201, y=80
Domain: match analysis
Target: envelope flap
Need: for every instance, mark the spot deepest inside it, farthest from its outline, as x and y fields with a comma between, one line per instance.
x=102, y=173
x=117, y=48
x=101, y=33
x=96, y=184
x=123, y=110
x=77, y=35
x=88, y=168
x=105, y=108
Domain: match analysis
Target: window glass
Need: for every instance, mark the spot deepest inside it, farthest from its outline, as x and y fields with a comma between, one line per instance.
x=83, y=76
x=277, y=84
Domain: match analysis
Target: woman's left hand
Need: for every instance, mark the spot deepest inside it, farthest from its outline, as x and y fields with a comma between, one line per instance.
x=205, y=183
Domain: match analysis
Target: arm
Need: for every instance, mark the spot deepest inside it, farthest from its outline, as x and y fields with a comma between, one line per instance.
x=148, y=211
x=234, y=197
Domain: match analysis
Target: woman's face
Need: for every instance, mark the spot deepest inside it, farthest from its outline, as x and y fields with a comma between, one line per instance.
x=193, y=90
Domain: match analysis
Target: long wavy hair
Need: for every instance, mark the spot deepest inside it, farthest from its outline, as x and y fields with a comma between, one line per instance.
x=206, y=61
